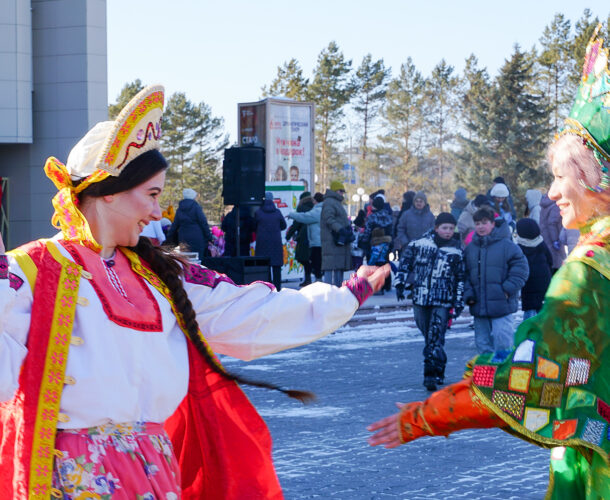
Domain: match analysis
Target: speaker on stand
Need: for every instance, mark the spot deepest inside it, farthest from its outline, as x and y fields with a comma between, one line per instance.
x=243, y=179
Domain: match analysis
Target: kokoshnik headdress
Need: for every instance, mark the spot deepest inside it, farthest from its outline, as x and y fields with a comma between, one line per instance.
x=104, y=151
x=590, y=114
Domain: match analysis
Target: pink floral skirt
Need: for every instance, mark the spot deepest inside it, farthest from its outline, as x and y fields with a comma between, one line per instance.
x=116, y=461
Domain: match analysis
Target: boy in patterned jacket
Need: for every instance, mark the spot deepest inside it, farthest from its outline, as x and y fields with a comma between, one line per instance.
x=436, y=263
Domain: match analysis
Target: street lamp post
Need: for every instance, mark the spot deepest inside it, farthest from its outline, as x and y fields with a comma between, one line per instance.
x=360, y=197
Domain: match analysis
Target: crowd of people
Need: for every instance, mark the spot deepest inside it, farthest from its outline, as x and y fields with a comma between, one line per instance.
x=109, y=384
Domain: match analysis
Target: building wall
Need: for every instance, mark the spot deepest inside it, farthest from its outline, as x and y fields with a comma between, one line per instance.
x=69, y=83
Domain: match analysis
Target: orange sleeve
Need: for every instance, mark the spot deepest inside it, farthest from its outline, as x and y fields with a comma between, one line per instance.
x=451, y=409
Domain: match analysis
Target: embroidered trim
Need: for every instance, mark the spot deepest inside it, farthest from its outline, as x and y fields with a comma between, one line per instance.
x=360, y=287
x=144, y=326
x=52, y=381
x=199, y=275
x=3, y=267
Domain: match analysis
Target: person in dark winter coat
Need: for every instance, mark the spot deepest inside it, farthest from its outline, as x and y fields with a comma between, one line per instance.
x=459, y=203
x=269, y=226
x=550, y=229
x=407, y=203
x=190, y=226
x=414, y=222
x=336, y=259
x=496, y=271
x=246, y=228
x=540, y=263
x=298, y=231
x=438, y=266
x=379, y=218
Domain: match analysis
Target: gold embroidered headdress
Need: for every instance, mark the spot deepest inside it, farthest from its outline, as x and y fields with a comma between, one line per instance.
x=104, y=151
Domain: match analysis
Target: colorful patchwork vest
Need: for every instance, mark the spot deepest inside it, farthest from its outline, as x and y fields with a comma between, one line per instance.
x=223, y=446
x=553, y=389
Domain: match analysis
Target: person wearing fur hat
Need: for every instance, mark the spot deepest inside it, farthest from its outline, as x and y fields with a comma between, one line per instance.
x=499, y=195
x=109, y=385
x=436, y=263
x=414, y=222
x=540, y=263
x=190, y=226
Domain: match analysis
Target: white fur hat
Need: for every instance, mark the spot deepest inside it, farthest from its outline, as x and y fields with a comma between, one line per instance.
x=499, y=190
x=189, y=194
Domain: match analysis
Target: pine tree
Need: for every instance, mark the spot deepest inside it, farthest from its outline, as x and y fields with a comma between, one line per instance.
x=289, y=82
x=555, y=68
x=519, y=128
x=583, y=30
x=330, y=90
x=403, y=123
x=128, y=91
x=440, y=106
x=473, y=171
x=369, y=83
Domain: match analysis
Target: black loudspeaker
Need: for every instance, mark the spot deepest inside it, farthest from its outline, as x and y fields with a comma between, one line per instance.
x=242, y=270
x=243, y=176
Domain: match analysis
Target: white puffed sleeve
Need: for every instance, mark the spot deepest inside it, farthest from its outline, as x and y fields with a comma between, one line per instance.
x=15, y=312
x=251, y=321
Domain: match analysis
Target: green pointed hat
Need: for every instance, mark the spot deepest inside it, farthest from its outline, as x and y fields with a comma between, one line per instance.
x=590, y=114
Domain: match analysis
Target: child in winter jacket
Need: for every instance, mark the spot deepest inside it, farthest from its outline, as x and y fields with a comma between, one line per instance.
x=438, y=267
x=496, y=271
x=540, y=263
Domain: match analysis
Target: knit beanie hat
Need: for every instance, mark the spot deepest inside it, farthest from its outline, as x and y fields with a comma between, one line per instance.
x=528, y=228
x=420, y=195
x=336, y=186
x=499, y=180
x=444, y=218
x=481, y=200
x=269, y=195
x=378, y=203
x=500, y=190
x=304, y=194
x=319, y=197
x=189, y=194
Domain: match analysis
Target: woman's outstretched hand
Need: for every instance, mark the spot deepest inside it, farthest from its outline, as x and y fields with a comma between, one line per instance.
x=387, y=431
x=374, y=275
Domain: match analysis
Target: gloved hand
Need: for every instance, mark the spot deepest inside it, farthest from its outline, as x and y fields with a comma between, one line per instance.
x=400, y=291
x=556, y=244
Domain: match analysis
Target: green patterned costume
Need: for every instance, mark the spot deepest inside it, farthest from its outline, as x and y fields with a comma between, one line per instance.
x=553, y=389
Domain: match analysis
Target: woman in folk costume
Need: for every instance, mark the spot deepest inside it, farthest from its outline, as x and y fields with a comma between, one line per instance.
x=552, y=389
x=108, y=382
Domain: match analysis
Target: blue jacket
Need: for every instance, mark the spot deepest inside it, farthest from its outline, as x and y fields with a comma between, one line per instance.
x=438, y=272
x=496, y=271
x=312, y=219
x=269, y=226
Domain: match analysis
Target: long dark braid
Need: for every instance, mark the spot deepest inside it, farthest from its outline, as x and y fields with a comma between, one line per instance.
x=169, y=268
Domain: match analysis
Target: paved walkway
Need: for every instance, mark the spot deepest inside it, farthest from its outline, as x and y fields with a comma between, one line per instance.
x=320, y=450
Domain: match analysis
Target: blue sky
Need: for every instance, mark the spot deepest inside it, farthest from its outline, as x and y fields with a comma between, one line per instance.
x=222, y=53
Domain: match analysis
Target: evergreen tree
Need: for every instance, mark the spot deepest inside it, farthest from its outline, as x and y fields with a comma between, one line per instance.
x=519, y=128
x=369, y=83
x=192, y=143
x=583, y=30
x=330, y=90
x=289, y=82
x=440, y=107
x=403, y=118
x=473, y=171
x=555, y=68
x=128, y=91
